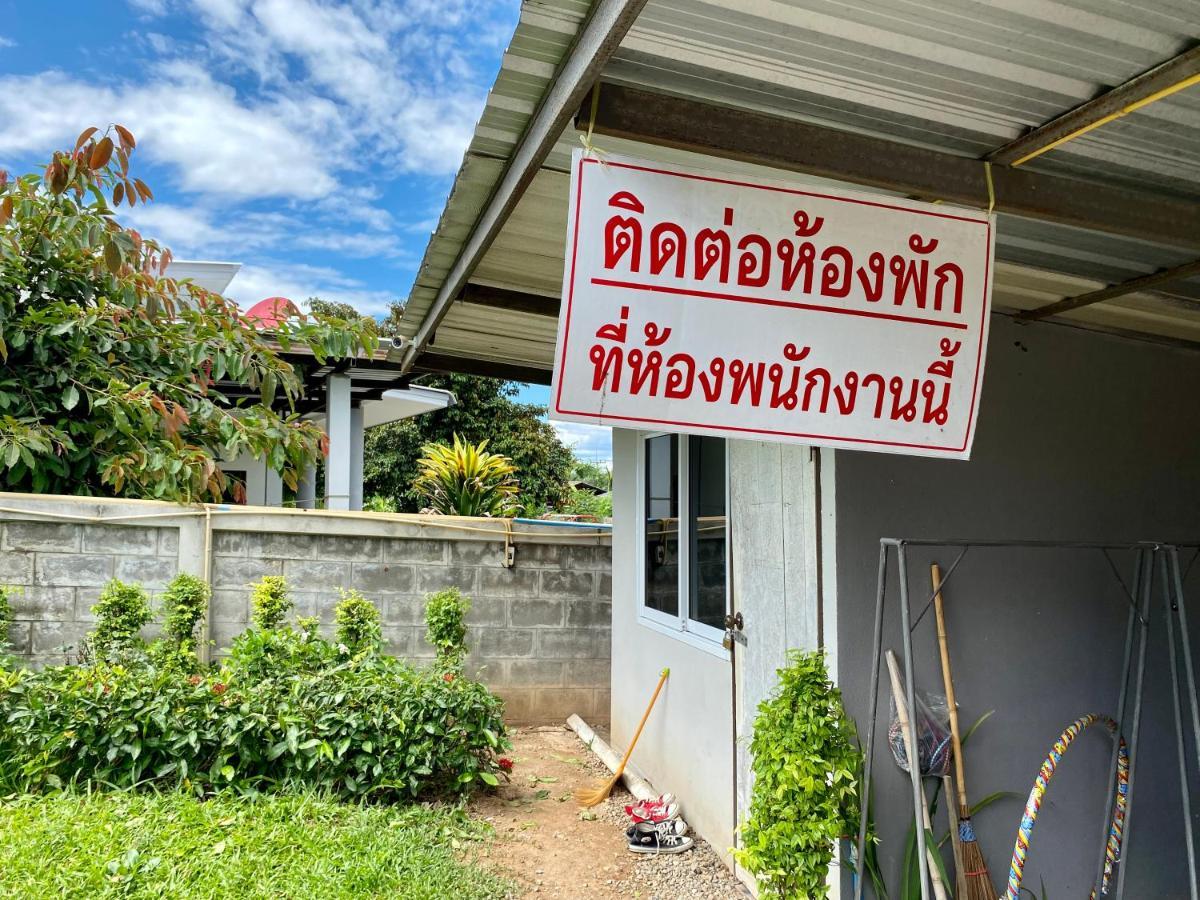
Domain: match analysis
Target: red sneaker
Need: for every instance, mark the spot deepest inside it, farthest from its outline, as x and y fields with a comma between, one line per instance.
x=660, y=809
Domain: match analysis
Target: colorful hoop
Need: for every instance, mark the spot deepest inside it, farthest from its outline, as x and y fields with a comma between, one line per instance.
x=1112, y=850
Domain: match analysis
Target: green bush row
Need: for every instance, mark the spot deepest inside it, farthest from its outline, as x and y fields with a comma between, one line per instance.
x=286, y=708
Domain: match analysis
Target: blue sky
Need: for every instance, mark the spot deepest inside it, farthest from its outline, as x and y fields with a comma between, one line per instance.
x=313, y=142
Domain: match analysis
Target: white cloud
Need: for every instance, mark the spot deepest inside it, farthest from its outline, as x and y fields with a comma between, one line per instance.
x=203, y=232
x=279, y=125
x=397, y=69
x=217, y=144
x=364, y=86
x=299, y=282
x=150, y=7
x=591, y=442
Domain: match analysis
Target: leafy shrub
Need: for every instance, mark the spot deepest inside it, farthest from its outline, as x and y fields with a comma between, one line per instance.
x=466, y=480
x=446, y=625
x=266, y=653
x=372, y=727
x=805, y=794
x=184, y=603
x=380, y=503
x=5, y=620
x=286, y=708
x=585, y=503
x=269, y=601
x=121, y=612
x=6, y=657
x=357, y=622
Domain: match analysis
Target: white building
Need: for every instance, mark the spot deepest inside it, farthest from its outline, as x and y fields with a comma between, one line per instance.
x=1087, y=426
x=344, y=397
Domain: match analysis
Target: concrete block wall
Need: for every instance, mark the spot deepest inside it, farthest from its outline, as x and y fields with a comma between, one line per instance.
x=57, y=570
x=539, y=631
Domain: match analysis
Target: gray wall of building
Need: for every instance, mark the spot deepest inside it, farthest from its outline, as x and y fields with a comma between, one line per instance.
x=539, y=631
x=1081, y=437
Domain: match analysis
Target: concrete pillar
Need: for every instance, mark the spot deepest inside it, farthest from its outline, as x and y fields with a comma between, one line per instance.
x=274, y=488
x=337, y=426
x=356, y=458
x=306, y=488
x=256, y=481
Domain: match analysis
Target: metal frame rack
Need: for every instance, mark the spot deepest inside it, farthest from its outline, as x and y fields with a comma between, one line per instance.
x=1148, y=557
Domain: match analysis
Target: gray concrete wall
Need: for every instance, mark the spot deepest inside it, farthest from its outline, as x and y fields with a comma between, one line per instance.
x=1081, y=436
x=539, y=631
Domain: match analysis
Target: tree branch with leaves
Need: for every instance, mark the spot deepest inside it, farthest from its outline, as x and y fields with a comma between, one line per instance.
x=119, y=379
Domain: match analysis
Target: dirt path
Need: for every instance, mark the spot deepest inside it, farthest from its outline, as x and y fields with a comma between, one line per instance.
x=553, y=850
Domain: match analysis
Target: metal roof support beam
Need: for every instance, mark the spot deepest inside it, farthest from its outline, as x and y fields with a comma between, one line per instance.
x=783, y=143
x=1132, y=286
x=598, y=39
x=514, y=301
x=441, y=363
x=1163, y=80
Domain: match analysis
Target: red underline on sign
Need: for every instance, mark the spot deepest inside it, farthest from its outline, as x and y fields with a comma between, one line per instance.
x=765, y=301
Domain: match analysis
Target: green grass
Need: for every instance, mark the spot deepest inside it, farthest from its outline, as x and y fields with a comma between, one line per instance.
x=128, y=846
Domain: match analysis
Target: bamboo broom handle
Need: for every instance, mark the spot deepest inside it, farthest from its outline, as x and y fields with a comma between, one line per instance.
x=960, y=778
x=662, y=679
x=910, y=748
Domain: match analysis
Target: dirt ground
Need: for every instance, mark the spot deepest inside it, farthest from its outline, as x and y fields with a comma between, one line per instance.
x=552, y=849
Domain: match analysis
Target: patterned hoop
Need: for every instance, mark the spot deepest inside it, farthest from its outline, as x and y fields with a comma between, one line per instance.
x=1112, y=850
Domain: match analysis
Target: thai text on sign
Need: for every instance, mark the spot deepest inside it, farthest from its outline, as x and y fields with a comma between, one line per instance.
x=700, y=303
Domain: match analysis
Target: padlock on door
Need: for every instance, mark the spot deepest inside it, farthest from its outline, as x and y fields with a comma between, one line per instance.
x=733, y=630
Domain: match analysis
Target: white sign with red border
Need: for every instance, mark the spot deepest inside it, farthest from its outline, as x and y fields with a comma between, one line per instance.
x=699, y=303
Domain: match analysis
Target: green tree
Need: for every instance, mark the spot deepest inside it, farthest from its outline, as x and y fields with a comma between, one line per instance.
x=593, y=473
x=486, y=410
x=115, y=379
x=332, y=309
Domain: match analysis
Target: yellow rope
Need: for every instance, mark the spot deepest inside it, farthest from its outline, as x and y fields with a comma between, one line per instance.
x=586, y=139
x=987, y=171
x=1123, y=111
x=506, y=525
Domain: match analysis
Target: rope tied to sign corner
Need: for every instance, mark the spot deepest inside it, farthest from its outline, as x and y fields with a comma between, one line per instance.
x=589, y=147
x=991, y=187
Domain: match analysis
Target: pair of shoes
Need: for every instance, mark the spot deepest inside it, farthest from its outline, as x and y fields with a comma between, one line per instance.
x=664, y=837
x=660, y=809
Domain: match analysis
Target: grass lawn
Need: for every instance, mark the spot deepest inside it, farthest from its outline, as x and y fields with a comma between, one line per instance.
x=174, y=846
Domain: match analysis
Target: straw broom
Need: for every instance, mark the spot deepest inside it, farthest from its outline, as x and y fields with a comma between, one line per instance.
x=973, y=880
x=587, y=797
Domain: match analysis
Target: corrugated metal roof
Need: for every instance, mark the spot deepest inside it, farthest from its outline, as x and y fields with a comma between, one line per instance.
x=960, y=76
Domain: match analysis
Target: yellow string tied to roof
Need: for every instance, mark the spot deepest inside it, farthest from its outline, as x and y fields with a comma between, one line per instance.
x=590, y=149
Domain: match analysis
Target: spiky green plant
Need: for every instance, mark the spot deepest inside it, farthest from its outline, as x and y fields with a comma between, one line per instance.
x=466, y=480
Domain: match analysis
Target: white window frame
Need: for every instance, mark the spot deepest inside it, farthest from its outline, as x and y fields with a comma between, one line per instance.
x=679, y=626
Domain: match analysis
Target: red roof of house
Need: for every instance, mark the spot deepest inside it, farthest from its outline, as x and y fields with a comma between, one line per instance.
x=272, y=312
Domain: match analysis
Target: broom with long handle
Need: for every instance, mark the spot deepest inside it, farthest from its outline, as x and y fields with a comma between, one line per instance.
x=973, y=880
x=952, y=816
x=586, y=797
x=910, y=749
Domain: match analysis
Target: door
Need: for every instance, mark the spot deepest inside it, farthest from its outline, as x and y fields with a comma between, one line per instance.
x=775, y=512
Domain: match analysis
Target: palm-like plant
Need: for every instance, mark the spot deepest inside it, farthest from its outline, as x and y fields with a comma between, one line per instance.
x=466, y=480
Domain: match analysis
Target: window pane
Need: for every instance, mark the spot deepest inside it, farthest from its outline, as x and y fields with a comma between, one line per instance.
x=706, y=538
x=662, y=524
